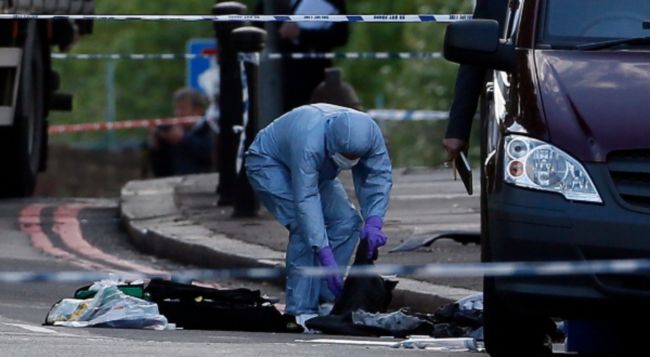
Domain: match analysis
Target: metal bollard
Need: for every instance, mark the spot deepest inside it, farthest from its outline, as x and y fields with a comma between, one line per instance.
x=272, y=101
x=229, y=100
x=249, y=41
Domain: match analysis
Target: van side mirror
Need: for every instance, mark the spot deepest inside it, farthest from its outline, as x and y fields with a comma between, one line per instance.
x=477, y=43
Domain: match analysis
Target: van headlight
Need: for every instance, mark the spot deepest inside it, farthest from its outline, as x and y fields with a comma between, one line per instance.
x=538, y=165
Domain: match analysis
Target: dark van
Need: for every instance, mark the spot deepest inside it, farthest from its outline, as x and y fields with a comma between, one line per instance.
x=565, y=125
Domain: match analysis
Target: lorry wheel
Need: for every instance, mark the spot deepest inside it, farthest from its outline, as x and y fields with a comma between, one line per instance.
x=21, y=144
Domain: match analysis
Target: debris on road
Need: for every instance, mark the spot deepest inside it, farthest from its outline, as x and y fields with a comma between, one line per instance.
x=441, y=344
x=107, y=307
x=161, y=304
x=158, y=303
x=201, y=308
x=463, y=237
x=464, y=318
x=361, y=323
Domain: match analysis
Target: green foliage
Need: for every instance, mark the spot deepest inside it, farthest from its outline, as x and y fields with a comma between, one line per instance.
x=421, y=84
x=412, y=84
x=144, y=88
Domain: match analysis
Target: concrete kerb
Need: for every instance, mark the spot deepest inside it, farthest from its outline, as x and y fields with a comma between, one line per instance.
x=156, y=226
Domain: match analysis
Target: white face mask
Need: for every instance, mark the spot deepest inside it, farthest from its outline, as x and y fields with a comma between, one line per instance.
x=343, y=162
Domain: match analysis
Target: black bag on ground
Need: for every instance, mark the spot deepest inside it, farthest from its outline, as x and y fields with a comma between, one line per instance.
x=194, y=307
x=368, y=293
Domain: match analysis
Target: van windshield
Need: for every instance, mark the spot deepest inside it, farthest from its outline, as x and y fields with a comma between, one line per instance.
x=571, y=22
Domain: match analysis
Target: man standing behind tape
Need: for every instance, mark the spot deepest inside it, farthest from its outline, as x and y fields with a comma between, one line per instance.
x=293, y=166
x=300, y=77
x=176, y=150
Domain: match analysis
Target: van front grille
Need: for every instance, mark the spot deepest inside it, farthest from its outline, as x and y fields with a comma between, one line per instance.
x=630, y=171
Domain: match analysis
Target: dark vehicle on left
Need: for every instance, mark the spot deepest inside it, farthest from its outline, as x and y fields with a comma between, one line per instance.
x=29, y=87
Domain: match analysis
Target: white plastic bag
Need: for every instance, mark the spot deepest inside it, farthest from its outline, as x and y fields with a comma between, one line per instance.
x=461, y=344
x=67, y=310
x=110, y=307
x=471, y=302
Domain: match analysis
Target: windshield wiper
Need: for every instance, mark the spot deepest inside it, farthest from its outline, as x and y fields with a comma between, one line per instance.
x=613, y=43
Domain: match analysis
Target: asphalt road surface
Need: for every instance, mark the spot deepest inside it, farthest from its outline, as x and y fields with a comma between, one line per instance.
x=63, y=235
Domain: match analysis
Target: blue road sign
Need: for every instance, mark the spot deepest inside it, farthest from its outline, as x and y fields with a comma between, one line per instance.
x=202, y=71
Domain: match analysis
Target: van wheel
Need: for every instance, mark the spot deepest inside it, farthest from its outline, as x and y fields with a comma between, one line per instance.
x=510, y=334
x=506, y=332
x=21, y=144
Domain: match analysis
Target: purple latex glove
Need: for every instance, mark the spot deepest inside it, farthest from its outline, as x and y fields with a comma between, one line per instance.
x=334, y=281
x=376, y=238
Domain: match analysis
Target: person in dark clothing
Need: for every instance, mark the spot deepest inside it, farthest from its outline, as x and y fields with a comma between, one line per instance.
x=160, y=154
x=469, y=85
x=334, y=90
x=176, y=150
x=300, y=77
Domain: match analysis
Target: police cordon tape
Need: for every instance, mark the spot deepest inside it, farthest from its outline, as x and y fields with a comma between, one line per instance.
x=264, y=56
x=253, y=58
x=407, y=115
x=377, y=114
x=126, y=124
x=354, y=55
x=393, y=18
x=131, y=56
x=441, y=270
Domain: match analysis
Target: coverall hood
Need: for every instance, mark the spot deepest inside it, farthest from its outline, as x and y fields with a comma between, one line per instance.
x=349, y=132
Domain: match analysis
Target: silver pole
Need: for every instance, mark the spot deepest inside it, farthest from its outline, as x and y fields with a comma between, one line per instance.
x=110, y=102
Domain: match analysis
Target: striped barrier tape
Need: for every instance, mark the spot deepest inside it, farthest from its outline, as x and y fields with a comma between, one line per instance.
x=441, y=270
x=407, y=115
x=411, y=18
x=253, y=58
x=131, y=56
x=354, y=55
x=377, y=114
x=265, y=56
x=126, y=124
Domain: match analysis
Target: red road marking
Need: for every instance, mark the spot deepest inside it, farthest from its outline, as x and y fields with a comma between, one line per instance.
x=30, y=223
x=66, y=225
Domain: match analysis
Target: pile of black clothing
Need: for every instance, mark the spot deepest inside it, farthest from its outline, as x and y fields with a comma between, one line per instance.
x=463, y=318
x=362, y=311
x=200, y=308
x=448, y=321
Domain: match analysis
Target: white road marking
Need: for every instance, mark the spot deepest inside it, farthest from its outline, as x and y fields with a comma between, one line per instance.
x=433, y=196
x=32, y=328
x=431, y=228
x=348, y=342
x=24, y=306
x=27, y=334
